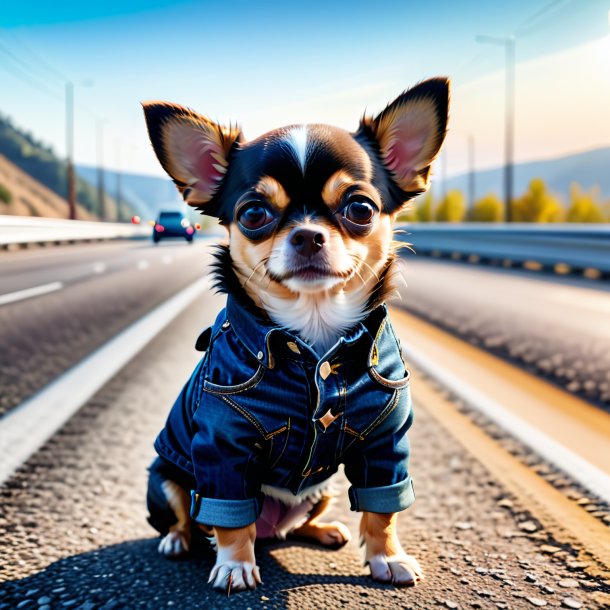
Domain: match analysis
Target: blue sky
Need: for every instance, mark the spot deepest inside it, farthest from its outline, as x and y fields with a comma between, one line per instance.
x=270, y=63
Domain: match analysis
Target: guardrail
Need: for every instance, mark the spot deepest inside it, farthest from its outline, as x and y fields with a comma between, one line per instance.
x=573, y=248
x=18, y=231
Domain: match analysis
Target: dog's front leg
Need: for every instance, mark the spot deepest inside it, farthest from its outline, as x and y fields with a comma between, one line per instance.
x=235, y=568
x=384, y=554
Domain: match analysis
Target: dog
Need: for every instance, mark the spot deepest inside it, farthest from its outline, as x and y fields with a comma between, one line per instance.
x=302, y=370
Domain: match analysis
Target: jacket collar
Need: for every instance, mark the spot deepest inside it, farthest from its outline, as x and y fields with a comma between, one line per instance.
x=256, y=332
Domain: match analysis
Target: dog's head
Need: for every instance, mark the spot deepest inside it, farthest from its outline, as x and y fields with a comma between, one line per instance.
x=309, y=208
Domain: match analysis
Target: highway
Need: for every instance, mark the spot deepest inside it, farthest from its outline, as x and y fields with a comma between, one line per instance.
x=95, y=291
x=554, y=326
x=494, y=524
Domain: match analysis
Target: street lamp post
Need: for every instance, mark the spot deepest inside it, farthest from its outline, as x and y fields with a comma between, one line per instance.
x=70, y=150
x=509, y=121
x=101, y=194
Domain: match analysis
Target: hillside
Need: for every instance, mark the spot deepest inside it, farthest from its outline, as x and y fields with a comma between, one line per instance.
x=590, y=169
x=45, y=167
x=147, y=194
x=28, y=197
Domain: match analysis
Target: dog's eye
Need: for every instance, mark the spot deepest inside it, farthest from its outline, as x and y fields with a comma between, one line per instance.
x=360, y=212
x=255, y=217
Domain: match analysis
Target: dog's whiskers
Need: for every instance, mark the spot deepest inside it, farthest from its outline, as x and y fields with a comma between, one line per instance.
x=256, y=267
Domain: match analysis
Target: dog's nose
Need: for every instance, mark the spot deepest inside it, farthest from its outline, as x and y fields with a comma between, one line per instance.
x=307, y=242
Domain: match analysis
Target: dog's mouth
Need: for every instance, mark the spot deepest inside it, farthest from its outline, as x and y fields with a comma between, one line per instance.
x=312, y=273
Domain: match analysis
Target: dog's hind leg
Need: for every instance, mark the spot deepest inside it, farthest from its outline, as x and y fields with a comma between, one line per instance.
x=177, y=541
x=334, y=534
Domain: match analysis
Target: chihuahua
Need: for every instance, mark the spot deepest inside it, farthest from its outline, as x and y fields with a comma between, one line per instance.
x=302, y=371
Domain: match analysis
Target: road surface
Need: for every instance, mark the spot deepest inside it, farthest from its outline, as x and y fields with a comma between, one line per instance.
x=73, y=521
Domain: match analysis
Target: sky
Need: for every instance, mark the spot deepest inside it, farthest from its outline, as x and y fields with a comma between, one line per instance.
x=265, y=64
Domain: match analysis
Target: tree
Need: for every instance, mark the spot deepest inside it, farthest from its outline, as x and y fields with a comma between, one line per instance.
x=452, y=208
x=537, y=205
x=5, y=195
x=583, y=206
x=488, y=209
x=425, y=208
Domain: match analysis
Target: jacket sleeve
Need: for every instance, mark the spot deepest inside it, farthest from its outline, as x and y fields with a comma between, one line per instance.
x=377, y=467
x=226, y=455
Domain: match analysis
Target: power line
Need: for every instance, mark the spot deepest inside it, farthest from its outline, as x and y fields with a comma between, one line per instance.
x=26, y=78
x=38, y=61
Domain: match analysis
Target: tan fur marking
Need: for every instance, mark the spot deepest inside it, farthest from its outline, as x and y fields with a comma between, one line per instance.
x=335, y=186
x=273, y=192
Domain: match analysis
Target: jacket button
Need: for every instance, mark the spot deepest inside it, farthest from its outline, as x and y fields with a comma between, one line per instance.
x=293, y=347
x=260, y=355
x=226, y=325
x=325, y=369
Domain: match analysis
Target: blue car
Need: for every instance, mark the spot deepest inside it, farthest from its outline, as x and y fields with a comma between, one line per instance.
x=173, y=224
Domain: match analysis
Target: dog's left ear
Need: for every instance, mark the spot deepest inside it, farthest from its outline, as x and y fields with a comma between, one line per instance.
x=192, y=149
x=410, y=132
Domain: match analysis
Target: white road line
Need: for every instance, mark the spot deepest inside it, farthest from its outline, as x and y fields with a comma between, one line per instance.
x=28, y=293
x=143, y=264
x=99, y=267
x=581, y=470
x=25, y=429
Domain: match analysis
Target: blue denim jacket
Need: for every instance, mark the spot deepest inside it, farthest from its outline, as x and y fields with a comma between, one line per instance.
x=262, y=408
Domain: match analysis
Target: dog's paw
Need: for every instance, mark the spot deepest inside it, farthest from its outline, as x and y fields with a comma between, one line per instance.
x=333, y=535
x=174, y=544
x=235, y=576
x=401, y=570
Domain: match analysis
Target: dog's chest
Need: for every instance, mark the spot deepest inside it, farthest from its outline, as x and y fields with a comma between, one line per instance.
x=310, y=412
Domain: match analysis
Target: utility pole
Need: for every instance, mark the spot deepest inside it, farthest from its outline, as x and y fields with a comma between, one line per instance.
x=71, y=191
x=509, y=121
x=471, y=175
x=119, y=194
x=101, y=197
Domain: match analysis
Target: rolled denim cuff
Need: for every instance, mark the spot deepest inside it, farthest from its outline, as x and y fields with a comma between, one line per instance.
x=387, y=499
x=224, y=513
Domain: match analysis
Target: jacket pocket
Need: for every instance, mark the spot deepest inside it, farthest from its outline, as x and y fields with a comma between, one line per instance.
x=230, y=367
x=235, y=388
x=398, y=383
x=353, y=430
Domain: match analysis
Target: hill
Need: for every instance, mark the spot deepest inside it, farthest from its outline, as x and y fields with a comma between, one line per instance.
x=146, y=193
x=21, y=195
x=590, y=169
x=44, y=166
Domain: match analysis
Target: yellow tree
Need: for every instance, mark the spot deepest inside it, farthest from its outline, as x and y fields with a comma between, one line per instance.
x=537, y=205
x=488, y=209
x=452, y=208
x=583, y=205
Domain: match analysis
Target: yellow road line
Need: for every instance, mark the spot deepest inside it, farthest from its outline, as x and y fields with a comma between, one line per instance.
x=566, y=520
x=574, y=423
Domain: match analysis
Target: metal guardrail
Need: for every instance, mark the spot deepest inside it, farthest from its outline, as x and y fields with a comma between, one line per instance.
x=560, y=248
x=24, y=230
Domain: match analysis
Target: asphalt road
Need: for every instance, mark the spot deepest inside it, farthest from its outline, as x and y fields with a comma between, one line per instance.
x=88, y=294
x=555, y=327
x=74, y=533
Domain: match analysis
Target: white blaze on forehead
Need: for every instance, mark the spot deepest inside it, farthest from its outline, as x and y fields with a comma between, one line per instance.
x=296, y=138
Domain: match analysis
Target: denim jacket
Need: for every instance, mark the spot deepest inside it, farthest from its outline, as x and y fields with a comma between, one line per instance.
x=263, y=409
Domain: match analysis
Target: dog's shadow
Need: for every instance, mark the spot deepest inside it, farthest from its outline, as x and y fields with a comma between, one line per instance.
x=133, y=575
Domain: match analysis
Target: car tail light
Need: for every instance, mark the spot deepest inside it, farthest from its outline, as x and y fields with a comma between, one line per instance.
x=159, y=228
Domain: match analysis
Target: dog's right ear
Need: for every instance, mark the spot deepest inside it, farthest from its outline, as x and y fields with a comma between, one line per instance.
x=192, y=149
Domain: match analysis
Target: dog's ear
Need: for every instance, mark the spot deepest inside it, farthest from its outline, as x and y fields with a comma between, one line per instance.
x=192, y=149
x=410, y=132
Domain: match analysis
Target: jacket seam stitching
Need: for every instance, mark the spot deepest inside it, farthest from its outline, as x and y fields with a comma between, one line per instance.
x=247, y=415
x=384, y=414
x=238, y=388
